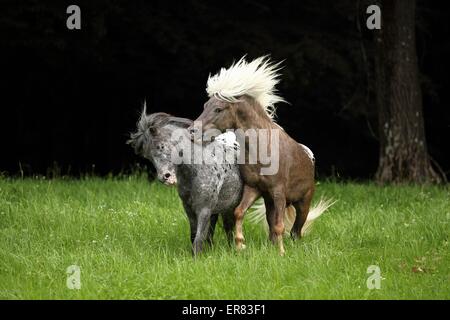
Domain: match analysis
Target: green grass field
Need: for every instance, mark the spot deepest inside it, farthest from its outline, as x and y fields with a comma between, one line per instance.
x=130, y=240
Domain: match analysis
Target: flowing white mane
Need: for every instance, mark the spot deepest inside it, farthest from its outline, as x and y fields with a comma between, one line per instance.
x=256, y=79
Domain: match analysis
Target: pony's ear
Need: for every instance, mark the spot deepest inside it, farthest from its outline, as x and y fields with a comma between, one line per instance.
x=144, y=108
x=180, y=122
x=143, y=115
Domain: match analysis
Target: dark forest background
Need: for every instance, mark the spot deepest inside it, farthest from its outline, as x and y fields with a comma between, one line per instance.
x=69, y=98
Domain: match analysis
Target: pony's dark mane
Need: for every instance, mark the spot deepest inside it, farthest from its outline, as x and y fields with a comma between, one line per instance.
x=155, y=120
x=161, y=119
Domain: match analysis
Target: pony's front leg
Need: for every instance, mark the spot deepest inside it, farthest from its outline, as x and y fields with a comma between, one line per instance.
x=192, y=221
x=212, y=228
x=193, y=228
x=203, y=223
x=249, y=196
x=228, y=225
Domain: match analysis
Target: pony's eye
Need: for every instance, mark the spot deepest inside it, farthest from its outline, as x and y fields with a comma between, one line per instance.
x=218, y=110
x=152, y=130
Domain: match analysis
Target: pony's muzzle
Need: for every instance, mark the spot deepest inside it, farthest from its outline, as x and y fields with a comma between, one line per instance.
x=168, y=179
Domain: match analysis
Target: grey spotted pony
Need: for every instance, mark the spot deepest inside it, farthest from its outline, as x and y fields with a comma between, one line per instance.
x=208, y=189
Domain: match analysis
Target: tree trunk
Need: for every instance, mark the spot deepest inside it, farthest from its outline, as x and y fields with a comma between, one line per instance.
x=403, y=149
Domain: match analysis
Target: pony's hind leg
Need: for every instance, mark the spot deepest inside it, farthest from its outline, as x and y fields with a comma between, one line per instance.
x=302, y=210
x=275, y=210
x=249, y=196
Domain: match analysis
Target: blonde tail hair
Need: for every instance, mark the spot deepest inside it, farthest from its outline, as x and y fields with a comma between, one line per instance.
x=257, y=215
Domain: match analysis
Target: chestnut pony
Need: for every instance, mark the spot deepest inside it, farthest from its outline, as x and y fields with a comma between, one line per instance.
x=243, y=97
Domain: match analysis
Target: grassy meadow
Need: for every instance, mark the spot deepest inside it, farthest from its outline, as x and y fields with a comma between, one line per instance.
x=130, y=240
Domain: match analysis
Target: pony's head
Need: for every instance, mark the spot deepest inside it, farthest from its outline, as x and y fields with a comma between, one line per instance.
x=152, y=140
x=243, y=85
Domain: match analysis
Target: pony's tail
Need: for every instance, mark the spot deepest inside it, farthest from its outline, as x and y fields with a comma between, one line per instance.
x=257, y=215
x=315, y=212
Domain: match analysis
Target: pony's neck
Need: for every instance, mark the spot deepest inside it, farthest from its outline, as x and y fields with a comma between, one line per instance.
x=180, y=141
x=182, y=144
x=250, y=115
